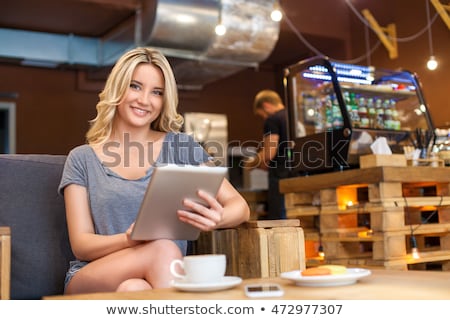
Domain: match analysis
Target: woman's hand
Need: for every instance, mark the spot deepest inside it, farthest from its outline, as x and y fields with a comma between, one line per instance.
x=131, y=242
x=205, y=218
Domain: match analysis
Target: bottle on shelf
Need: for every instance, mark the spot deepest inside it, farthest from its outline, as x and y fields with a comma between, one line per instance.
x=320, y=116
x=354, y=115
x=396, y=124
x=372, y=113
x=338, y=120
x=387, y=114
x=379, y=123
x=362, y=112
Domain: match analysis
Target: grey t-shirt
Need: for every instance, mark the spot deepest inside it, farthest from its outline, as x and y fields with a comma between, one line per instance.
x=114, y=201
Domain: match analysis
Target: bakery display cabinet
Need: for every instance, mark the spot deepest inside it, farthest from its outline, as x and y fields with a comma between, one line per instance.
x=336, y=111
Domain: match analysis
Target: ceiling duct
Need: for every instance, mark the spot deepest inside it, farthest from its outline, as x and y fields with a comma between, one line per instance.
x=185, y=30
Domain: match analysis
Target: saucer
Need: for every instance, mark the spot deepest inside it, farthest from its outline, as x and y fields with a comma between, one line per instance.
x=225, y=283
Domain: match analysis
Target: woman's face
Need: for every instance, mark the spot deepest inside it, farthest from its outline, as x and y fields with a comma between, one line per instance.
x=143, y=99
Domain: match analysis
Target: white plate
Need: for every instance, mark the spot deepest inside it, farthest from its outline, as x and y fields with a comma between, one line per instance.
x=352, y=275
x=225, y=283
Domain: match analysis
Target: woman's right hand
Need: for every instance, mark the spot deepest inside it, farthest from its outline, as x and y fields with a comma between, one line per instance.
x=131, y=242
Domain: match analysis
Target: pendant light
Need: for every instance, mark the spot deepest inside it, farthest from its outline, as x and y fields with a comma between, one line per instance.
x=431, y=63
x=276, y=14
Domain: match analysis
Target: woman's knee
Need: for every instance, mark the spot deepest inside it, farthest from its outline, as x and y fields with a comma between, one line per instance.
x=167, y=248
x=133, y=285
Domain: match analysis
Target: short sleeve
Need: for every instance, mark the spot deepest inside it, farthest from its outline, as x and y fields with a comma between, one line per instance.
x=74, y=170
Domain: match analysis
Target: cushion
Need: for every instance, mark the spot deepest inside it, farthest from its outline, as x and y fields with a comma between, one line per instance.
x=33, y=209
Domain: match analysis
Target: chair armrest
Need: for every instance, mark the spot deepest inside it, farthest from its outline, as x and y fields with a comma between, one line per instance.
x=5, y=262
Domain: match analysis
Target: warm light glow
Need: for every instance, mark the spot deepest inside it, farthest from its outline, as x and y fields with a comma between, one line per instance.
x=276, y=15
x=321, y=253
x=432, y=63
x=365, y=233
x=220, y=29
x=415, y=253
x=346, y=197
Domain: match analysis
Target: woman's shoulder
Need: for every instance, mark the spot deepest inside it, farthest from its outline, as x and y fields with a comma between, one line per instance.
x=83, y=149
x=81, y=153
x=180, y=136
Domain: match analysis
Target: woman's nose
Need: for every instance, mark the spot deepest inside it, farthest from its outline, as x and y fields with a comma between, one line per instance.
x=144, y=98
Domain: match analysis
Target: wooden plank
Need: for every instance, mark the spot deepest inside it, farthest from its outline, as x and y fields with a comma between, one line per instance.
x=271, y=223
x=302, y=211
x=364, y=176
x=5, y=262
x=295, y=199
x=331, y=180
x=378, y=160
x=253, y=253
x=286, y=250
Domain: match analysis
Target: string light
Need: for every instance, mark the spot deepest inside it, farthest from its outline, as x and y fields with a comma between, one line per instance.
x=366, y=55
x=276, y=14
x=414, y=250
x=320, y=251
x=431, y=63
x=220, y=29
x=412, y=240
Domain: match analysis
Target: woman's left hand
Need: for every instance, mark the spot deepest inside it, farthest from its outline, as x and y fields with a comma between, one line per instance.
x=205, y=218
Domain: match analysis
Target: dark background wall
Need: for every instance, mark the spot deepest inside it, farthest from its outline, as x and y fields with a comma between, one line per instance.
x=54, y=106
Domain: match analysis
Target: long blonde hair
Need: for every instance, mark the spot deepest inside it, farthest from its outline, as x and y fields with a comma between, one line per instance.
x=116, y=86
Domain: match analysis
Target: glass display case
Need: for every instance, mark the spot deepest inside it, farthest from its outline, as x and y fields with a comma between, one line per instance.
x=336, y=111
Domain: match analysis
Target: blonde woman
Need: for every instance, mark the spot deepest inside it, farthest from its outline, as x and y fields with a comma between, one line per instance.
x=136, y=127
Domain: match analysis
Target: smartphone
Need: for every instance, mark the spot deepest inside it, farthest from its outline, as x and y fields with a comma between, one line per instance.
x=263, y=290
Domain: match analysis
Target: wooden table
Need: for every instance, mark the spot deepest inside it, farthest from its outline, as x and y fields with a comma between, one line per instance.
x=380, y=285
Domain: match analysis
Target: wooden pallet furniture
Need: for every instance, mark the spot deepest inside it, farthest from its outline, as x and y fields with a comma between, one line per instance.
x=5, y=262
x=256, y=200
x=257, y=248
x=368, y=216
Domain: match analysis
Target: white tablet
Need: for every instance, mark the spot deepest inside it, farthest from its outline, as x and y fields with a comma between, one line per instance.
x=168, y=186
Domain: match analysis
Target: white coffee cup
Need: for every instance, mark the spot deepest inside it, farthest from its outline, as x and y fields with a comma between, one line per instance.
x=202, y=268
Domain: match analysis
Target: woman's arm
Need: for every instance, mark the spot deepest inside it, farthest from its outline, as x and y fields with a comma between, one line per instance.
x=86, y=245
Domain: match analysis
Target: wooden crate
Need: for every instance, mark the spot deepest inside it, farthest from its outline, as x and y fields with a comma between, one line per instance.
x=365, y=216
x=258, y=248
x=257, y=202
x=5, y=262
x=379, y=160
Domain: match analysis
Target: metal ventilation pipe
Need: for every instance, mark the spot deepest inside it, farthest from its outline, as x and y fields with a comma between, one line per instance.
x=185, y=30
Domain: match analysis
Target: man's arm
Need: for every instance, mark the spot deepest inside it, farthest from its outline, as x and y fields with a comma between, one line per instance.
x=267, y=152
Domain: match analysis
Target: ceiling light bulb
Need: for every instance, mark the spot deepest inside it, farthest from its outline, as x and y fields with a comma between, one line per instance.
x=276, y=15
x=432, y=63
x=220, y=29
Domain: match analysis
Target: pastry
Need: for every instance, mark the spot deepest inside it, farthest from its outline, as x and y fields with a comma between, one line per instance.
x=316, y=271
x=335, y=269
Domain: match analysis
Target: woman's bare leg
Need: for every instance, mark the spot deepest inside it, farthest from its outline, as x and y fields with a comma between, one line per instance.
x=148, y=261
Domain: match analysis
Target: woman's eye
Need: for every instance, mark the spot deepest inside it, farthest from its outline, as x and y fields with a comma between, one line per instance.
x=134, y=86
x=158, y=92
